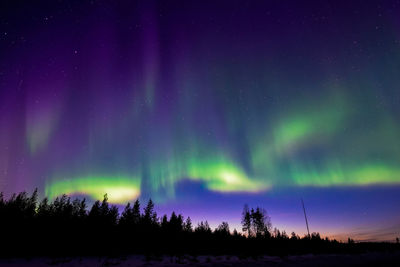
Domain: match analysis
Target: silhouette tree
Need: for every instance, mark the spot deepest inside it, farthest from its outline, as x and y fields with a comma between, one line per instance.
x=32, y=203
x=284, y=235
x=164, y=222
x=235, y=233
x=277, y=233
x=82, y=213
x=293, y=236
x=187, y=227
x=246, y=221
x=316, y=236
x=175, y=223
x=261, y=222
x=43, y=208
x=256, y=222
x=150, y=216
x=223, y=229
x=113, y=215
x=136, y=212
x=203, y=228
x=104, y=208
x=126, y=216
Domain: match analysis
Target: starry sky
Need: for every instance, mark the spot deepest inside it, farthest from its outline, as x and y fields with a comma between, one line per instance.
x=204, y=106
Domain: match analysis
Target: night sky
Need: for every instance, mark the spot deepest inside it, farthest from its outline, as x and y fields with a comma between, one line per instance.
x=207, y=105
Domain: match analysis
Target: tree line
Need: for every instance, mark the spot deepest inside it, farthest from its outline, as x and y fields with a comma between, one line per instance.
x=66, y=226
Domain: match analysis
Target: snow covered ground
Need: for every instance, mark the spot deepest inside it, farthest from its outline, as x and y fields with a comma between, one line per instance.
x=370, y=259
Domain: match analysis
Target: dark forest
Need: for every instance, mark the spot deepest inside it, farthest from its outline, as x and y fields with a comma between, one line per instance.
x=68, y=227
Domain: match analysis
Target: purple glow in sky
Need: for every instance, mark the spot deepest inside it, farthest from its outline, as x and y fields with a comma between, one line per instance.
x=205, y=106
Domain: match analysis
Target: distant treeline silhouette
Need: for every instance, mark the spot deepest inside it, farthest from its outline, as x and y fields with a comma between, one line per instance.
x=66, y=227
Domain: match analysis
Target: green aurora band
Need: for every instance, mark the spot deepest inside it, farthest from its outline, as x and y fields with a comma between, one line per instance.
x=118, y=189
x=275, y=161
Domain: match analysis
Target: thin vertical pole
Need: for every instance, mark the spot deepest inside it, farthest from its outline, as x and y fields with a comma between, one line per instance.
x=305, y=216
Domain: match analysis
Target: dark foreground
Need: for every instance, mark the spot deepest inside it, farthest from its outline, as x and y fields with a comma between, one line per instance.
x=366, y=259
x=65, y=233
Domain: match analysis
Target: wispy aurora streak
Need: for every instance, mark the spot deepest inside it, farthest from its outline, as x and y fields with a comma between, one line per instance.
x=166, y=96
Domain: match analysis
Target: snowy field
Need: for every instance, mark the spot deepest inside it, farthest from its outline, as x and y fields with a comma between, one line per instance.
x=370, y=259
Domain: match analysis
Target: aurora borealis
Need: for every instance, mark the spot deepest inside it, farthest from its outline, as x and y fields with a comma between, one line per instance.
x=207, y=105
